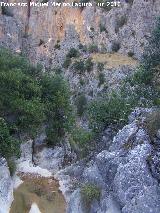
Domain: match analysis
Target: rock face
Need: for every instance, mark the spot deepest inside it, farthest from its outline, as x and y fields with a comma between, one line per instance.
x=128, y=171
x=35, y=32
x=129, y=25
x=122, y=173
x=6, y=187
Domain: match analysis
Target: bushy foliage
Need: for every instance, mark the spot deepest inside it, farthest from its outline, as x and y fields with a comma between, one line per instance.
x=73, y=53
x=83, y=65
x=57, y=46
x=101, y=78
x=115, y=46
x=82, y=47
x=58, y=110
x=120, y=22
x=153, y=122
x=107, y=110
x=147, y=74
x=11, y=165
x=88, y=65
x=151, y=57
x=79, y=66
x=100, y=67
x=67, y=62
x=81, y=103
x=130, y=54
x=93, y=48
x=81, y=136
x=8, y=145
x=30, y=98
x=80, y=140
x=89, y=192
x=20, y=92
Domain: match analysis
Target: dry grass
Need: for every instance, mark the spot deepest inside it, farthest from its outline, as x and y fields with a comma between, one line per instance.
x=113, y=60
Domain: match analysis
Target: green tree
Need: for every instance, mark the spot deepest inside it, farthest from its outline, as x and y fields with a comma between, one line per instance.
x=20, y=99
x=56, y=96
x=8, y=145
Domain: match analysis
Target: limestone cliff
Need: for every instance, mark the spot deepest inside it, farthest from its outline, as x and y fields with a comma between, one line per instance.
x=40, y=27
x=35, y=31
x=122, y=171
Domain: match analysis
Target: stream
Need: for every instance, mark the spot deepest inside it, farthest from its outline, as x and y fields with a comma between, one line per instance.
x=38, y=194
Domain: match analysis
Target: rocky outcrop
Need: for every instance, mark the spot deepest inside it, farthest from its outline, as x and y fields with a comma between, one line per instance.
x=6, y=187
x=122, y=172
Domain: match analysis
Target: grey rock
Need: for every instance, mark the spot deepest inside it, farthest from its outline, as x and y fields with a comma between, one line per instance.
x=50, y=159
x=134, y=176
x=92, y=175
x=147, y=201
x=75, y=204
x=6, y=187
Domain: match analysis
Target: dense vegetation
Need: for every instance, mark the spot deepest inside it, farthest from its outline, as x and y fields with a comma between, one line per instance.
x=90, y=192
x=29, y=98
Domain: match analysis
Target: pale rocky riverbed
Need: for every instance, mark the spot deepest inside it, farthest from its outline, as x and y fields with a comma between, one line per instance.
x=38, y=195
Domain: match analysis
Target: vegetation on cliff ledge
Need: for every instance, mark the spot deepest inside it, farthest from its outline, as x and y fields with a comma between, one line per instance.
x=140, y=90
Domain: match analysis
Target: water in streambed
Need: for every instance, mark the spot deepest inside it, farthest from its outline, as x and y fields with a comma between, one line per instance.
x=38, y=191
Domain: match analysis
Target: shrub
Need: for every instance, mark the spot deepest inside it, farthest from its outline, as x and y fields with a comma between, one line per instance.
x=20, y=92
x=79, y=66
x=120, y=23
x=30, y=98
x=89, y=192
x=83, y=47
x=57, y=46
x=153, y=123
x=73, y=53
x=12, y=166
x=81, y=136
x=80, y=46
x=108, y=110
x=81, y=103
x=101, y=78
x=8, y=145
x=142, y=76
x=88, y=65
x=130, y=54
x=151, y=56
x=93, y=48
x=92, y=29
x=80, y=141
x=67, y=62
x=100, y=67
x=57, y=70
x=56, y=95
x=115, y=46
x=81, y=81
